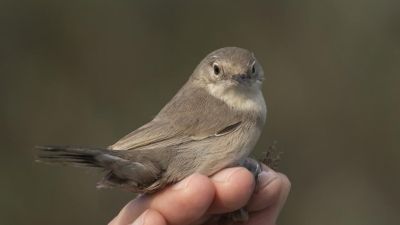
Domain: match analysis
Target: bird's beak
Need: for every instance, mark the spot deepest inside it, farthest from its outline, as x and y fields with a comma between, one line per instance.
x=242, y=77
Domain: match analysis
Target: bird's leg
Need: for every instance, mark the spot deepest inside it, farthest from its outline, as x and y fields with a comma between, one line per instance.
x=253, y=166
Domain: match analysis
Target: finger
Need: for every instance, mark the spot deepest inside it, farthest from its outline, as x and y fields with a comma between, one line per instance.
x=269, y=189
x=233, y=188
x=131, y=211
x=270, y=200
x=186, y=201
x=181, y=203
x=150, y=217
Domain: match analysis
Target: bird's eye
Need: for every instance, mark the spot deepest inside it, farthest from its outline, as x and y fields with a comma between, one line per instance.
x=253, y=69
x=217, y=69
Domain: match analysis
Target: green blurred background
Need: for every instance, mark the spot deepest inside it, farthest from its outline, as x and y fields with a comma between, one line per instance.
x=89, y=72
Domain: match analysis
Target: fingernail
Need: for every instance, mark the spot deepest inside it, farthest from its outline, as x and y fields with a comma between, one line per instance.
x=141, y=219
x=265, y=178
x=225, y=175
x=182, y=184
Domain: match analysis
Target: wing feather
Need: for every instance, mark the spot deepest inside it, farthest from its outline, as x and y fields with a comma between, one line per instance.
x=191, y=115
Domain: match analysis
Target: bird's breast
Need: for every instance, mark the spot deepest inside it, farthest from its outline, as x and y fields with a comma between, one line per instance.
x=249, y=101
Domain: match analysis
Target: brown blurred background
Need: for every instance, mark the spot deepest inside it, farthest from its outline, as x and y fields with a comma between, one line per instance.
x=88, y=72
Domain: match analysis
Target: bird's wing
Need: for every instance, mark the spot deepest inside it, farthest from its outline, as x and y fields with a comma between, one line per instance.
x=193, y=114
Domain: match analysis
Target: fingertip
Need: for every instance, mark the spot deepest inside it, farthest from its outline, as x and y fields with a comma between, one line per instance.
x=285, y=182
x=131, y=210
x=266, y=204
x=185, y=201
x=273, y=189
x=285, y=190
x=234, y=187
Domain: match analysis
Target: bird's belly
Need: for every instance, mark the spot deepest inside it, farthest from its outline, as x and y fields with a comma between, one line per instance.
x=230, y=150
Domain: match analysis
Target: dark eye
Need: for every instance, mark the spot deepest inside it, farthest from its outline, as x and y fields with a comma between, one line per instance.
x=253, y=69
x=216, y=69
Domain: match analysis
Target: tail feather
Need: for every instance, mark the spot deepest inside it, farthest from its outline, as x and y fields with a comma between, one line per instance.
x=122, y=170
x=76, y=156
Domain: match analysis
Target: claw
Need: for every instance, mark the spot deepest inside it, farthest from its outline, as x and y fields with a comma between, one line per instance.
x=253, y=166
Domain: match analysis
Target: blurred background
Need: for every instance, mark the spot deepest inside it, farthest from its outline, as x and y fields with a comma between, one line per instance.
x=89, y=72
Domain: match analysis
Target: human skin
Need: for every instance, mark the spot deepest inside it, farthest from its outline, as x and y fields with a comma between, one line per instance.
x=196, y=199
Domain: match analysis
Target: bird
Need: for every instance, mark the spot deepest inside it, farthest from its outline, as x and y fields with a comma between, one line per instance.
x=213, y=122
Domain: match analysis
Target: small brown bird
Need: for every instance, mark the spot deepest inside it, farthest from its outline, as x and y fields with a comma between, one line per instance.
x=213, y=122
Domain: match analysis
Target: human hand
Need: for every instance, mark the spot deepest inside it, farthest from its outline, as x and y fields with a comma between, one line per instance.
x=198, y=198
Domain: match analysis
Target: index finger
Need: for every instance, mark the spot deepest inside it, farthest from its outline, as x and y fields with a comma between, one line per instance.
x=181, y=203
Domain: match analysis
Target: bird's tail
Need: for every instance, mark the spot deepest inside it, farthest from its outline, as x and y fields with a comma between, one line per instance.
x=123, y=173
x=75, y=156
